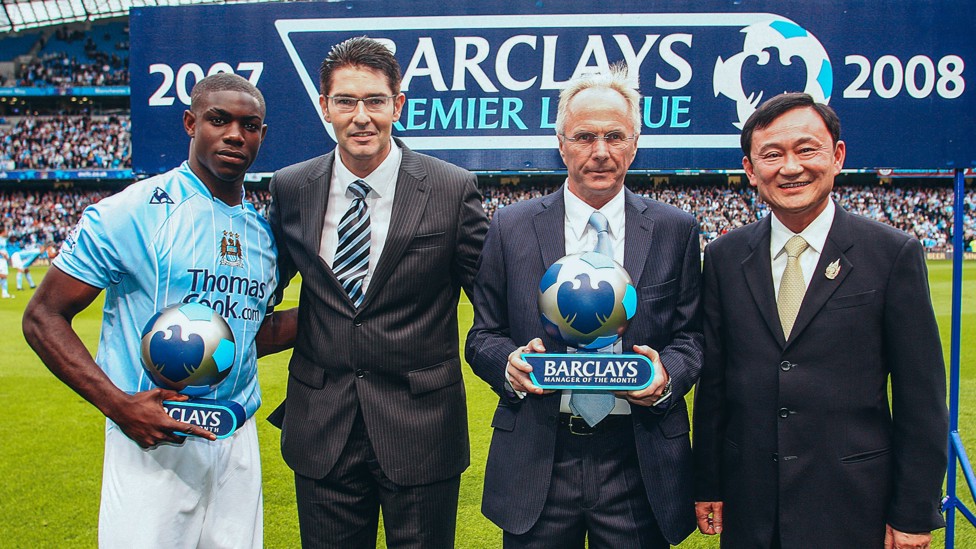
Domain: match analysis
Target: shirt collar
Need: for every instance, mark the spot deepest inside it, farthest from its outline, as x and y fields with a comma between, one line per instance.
x=382, y=180
x=578, y=213
x=204, y=190
x=815, y=233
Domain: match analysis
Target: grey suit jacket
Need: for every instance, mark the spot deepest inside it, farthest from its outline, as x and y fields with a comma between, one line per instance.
x=662, y=257
x=396, y=357
x=801, y=431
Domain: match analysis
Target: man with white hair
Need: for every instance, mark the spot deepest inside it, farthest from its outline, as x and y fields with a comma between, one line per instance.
x=557, y=474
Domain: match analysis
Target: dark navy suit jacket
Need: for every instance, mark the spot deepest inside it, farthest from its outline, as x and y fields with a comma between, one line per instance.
x=800, y=432
x=662, y=257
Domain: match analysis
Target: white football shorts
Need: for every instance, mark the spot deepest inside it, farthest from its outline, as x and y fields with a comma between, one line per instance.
x=197, y=494
x=17, y=261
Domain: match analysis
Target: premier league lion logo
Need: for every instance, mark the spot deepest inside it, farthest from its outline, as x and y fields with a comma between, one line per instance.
x=792, y=41
x=586, y=300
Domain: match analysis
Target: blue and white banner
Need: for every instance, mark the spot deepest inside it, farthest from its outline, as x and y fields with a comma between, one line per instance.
x=482, y=78
x=67, y=91
x=66, y=175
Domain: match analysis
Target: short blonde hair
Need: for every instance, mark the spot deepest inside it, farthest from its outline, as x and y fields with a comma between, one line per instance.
x=618, y=80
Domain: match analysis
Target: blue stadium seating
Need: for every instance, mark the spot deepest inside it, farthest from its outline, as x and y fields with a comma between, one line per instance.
x=13, y=46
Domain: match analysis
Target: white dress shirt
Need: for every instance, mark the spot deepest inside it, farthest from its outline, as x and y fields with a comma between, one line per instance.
x=581, y=237
x=816, y=236
x=382, y=181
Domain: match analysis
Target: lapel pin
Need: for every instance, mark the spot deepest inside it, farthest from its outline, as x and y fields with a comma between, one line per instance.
x=833, y=269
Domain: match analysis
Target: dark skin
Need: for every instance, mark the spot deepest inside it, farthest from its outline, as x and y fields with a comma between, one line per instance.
x=226, y=132
x=226, y=129
x=47, y=328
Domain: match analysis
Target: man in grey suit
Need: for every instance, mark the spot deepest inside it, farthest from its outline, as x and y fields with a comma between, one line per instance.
x=554, y=479
x=809, y=313
x=385, y=239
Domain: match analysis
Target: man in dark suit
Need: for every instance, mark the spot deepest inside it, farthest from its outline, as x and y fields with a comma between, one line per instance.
x=553, y=479
x=808, y=312
x=385, y=239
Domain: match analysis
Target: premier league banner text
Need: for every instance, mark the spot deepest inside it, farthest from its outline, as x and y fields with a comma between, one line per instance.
x=482, y=79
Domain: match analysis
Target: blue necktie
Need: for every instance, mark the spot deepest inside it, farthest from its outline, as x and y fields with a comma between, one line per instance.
x=352, y=254
x=602, y=227
x=594, y=406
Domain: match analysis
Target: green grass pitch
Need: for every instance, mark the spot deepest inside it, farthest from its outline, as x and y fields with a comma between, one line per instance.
x=51, y=439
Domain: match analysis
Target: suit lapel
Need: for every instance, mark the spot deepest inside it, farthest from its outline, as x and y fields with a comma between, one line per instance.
x=637, y=236
x=549, y=224
x=314, y=200
x=758, y=272
x=409, y=204
x=314, y=196
x=839, y=240
x=550, y=228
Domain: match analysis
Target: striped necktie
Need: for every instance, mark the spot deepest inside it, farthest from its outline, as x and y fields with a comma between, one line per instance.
x=352, y=254
x=594, y=406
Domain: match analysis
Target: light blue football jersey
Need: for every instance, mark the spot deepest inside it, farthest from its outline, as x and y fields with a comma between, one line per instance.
x=166, y=240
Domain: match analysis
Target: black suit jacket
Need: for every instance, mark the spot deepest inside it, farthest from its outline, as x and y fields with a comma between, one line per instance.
x=396, y=357
x=662, y=256
x=800, y=431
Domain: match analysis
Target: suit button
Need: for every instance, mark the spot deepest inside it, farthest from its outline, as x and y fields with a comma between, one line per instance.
x=786, y=365
x=784, y=413
x=357, y=323
x=775, y=457
x=360, y=373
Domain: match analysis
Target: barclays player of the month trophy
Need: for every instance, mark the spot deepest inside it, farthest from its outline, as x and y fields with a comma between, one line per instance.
x=189, y=348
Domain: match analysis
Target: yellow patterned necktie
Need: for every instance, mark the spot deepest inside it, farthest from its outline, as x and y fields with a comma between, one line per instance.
x=792, y=287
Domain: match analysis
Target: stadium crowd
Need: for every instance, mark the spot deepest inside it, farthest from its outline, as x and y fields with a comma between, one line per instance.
x=62, y=70
x=72, y=57
x=66, y=142
x=43, y=217
x=925, y=212
x=38, y=218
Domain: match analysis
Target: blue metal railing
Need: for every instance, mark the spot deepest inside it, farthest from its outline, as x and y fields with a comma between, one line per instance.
x=957, y=453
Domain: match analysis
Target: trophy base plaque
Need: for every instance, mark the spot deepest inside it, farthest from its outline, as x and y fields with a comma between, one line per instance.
x=588, y=371
x=220, y=417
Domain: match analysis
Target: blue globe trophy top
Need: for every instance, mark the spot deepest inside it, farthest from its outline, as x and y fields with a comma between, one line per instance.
x=586, y=301
x=189, y=348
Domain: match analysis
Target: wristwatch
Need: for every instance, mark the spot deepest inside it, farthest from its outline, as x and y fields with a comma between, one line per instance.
x=665, y=395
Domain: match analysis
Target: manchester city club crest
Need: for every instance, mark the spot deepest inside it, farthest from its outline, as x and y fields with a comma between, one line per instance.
x=231, y=252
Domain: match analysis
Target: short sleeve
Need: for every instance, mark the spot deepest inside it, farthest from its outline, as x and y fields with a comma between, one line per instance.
x=90, y=254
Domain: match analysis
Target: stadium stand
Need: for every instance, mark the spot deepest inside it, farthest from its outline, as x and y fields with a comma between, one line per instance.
x=66, y=142
x=45, y=217
x=72, y=57
x=16, y=45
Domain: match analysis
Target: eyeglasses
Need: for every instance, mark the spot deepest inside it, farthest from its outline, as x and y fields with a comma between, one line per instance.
x=346, y=104
x=614, y=140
